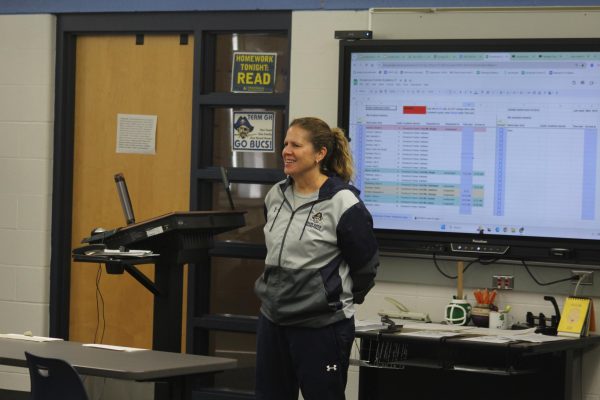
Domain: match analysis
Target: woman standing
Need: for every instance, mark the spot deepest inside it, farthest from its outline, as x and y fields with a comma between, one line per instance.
x=321, y=259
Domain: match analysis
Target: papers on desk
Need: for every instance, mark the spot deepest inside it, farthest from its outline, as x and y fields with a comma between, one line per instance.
x=501, y=332
x=506, y=336
x=532, y=338
x=471, y=333
x=490, y=339
x=111, y=347
x=433, y=330
x=19, y=336
x=475, y=334
x=437, y=327
x=435, y=334
x=365, y=326
x=539, y=338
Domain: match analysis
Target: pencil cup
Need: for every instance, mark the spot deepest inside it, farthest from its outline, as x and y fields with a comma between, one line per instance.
x=481, y=315
x=498, y=320
x=458, y=312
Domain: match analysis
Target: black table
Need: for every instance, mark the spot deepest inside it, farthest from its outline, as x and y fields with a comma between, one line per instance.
x=177, y=369
x=412, y=367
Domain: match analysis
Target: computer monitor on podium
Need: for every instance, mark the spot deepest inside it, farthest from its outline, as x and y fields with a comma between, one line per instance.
x=124, y=198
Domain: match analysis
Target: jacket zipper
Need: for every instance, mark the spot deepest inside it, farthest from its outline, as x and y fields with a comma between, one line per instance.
x=284, y=237
x=290, y=221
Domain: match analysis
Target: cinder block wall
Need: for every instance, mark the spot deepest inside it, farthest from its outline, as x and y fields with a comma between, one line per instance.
x=27, y=53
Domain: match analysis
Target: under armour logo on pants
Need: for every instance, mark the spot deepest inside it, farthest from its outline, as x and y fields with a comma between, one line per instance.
x=331, y=367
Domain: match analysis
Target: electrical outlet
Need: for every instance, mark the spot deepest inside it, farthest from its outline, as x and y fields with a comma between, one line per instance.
x=503, y=282
x=588, y=277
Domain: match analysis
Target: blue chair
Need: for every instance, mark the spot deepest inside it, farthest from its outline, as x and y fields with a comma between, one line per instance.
x=54, y=379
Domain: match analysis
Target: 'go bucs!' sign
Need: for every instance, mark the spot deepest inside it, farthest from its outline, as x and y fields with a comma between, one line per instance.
x=253, y=72
x=253, y=131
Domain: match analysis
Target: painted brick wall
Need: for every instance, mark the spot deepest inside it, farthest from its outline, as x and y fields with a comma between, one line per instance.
x=26, y=123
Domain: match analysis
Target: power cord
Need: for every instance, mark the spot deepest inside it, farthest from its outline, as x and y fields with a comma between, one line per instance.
x=478, y=260
x=571, y=278
x=581, y=278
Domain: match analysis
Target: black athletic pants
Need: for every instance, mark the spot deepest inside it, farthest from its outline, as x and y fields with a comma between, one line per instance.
x=312, y=359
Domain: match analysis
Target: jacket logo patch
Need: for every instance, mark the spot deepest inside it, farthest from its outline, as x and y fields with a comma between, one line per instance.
x=316, y=221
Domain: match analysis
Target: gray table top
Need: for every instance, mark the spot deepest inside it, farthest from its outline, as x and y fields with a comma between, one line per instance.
x=135, y=365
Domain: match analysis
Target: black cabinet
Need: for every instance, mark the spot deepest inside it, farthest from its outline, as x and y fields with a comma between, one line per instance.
x=398, y=366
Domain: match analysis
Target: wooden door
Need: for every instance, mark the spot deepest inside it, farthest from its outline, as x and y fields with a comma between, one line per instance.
x=116, y=76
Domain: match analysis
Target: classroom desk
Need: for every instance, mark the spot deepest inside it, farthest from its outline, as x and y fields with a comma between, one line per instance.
x=176, y=369
x=416, y=368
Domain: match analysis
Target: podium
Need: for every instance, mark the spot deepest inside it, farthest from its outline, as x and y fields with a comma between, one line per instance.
x=179, y=238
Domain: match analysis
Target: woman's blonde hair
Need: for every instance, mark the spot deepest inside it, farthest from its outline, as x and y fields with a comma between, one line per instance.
x=338, y=158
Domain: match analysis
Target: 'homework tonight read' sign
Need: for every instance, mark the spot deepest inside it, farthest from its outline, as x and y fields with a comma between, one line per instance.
x=253, y=72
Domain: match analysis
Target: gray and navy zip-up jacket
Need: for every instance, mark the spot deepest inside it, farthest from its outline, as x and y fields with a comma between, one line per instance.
x=321, y=258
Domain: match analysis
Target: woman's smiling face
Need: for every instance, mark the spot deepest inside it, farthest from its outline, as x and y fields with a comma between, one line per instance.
x=299, y=154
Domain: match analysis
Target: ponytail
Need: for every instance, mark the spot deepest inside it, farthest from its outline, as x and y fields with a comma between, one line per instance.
x=340, y=160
